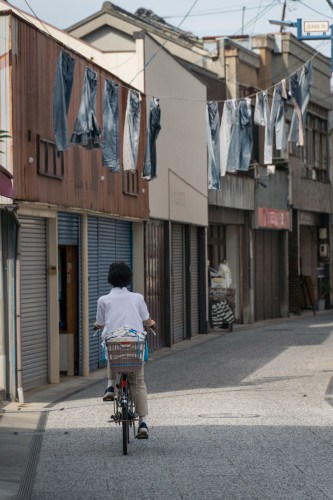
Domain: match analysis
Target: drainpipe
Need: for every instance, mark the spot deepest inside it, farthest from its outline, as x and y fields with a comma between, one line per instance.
x=12, y=210
x=3, y=382
x=85, y=297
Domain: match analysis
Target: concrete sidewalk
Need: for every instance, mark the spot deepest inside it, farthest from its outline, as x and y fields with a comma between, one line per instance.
x=20, y=424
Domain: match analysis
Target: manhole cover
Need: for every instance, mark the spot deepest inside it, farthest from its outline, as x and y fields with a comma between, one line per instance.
x=229, y=415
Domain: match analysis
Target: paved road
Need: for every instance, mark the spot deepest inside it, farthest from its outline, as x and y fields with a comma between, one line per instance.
x=247, y=415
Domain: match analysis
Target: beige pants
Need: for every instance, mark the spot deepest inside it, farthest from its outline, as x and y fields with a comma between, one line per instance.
x=139, y=389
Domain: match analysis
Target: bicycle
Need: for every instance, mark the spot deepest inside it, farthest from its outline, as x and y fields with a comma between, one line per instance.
x=126, y=355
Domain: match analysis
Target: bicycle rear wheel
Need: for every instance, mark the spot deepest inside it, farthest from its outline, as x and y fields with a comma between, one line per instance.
x=124, y=417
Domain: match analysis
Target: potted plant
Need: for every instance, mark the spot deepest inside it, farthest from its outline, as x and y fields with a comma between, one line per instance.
x=325, y=294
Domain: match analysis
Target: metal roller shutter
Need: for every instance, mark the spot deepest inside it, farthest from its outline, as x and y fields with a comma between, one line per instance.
x=194, y=281
x=108, y=241
x=154, y=275
x=34, y=315
x=68, y=228
x=178, y=283
x=267, y=267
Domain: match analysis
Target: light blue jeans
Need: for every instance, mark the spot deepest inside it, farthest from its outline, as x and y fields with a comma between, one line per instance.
x=246, y=137
x=110, y=143
x=86, y=131
x=132, y=130
x=278, y=121
x=61, y=98
x=153, y=130
x=229, y=137
x=305, y=84
x=262, y=118
x=213, y=145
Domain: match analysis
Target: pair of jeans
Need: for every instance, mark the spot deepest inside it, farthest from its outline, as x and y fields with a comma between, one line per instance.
x=296, y=133
x=229, y=137
x=304, y=90
x=262, y=118
x=154, y=127
x=61, y=97
x=132, y=130
x=110, y=143
x=86, y=131
x=245, y=132
x=213, y=144
x=278, y=121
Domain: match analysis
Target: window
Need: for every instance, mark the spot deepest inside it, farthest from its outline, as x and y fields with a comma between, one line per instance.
x=47, y=161
x=130, y=182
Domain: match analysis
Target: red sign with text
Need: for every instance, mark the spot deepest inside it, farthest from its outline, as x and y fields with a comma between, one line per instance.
x=272, y=218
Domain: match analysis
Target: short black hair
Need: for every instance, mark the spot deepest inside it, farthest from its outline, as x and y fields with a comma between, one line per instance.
x=120, y=274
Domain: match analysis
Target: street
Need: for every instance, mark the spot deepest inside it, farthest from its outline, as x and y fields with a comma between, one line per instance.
x=246, y=415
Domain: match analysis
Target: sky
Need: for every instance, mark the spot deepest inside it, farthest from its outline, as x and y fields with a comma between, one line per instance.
x=201, y=17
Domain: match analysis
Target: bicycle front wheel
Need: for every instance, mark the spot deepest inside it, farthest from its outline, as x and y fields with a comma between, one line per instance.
x=125, y=427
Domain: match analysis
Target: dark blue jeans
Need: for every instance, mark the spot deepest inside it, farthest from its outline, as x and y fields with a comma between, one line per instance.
x=86, y=131
x=110, y=143
x=61, y=98
x=213, y=145
x=154, y=127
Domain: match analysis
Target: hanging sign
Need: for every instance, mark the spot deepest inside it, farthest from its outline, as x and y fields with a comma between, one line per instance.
x=272, y=218
x=316, y=26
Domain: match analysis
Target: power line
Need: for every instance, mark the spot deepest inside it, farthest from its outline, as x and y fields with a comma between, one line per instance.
x=311, y=8
x=213, y=12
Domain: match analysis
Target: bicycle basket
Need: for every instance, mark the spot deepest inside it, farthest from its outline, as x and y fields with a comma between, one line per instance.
x=125, y=354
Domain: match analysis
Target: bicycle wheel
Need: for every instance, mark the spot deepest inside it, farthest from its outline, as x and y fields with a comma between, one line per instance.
x=124, y=417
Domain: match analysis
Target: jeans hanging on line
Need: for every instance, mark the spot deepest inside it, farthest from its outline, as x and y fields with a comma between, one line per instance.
x=296, y=133
x=277, y=120
x=154, y=127
x=110, y=143
x=86, y=131
x=61, y=98
x=305, y=84
x=229, y=137
x=262, y=118
x=213, y=145
x=246, y=137
x=132, y=130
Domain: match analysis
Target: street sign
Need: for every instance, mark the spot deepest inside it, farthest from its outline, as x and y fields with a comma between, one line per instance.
x=316, y=26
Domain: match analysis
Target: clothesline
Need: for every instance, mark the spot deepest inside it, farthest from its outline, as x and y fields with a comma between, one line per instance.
x=163, y=97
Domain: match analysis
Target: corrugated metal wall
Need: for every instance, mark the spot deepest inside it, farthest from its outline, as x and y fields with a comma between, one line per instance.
x=34, y=305
x=108, y=241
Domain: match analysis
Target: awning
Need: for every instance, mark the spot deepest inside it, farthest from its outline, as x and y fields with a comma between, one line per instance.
x=6, y=188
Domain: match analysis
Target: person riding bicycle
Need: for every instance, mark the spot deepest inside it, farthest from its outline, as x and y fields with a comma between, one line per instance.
x=118, y=309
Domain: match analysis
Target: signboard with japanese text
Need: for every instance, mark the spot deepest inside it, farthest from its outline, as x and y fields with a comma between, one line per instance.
x=273, y=218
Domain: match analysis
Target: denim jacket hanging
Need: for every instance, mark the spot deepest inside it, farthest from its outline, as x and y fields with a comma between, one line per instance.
x=61, y=99
x=110, y=143
x=213, y=145
x=153, y=130
x=132, y=130
x=86, y=131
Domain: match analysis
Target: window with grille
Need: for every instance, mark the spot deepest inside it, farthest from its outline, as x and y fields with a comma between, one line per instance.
x=130, y=182
x=47, y=161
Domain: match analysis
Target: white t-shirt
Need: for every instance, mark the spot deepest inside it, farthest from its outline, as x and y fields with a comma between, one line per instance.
x=121, y=308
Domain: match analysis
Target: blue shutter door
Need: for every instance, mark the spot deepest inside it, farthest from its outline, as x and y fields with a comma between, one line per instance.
x=108, y=241
x=178, y=283
x=194, y=280
x=68, y=228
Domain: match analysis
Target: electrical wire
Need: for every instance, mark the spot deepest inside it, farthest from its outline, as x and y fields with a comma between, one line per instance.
x=213, y=12
x=256, y=19
x=330, y=3
x=311, y=8
x=184, y=99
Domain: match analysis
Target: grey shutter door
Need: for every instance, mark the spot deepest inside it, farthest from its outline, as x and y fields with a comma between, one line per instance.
x=34, y=305
x=178, y=284
x=194, y=281
x=108, y=241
